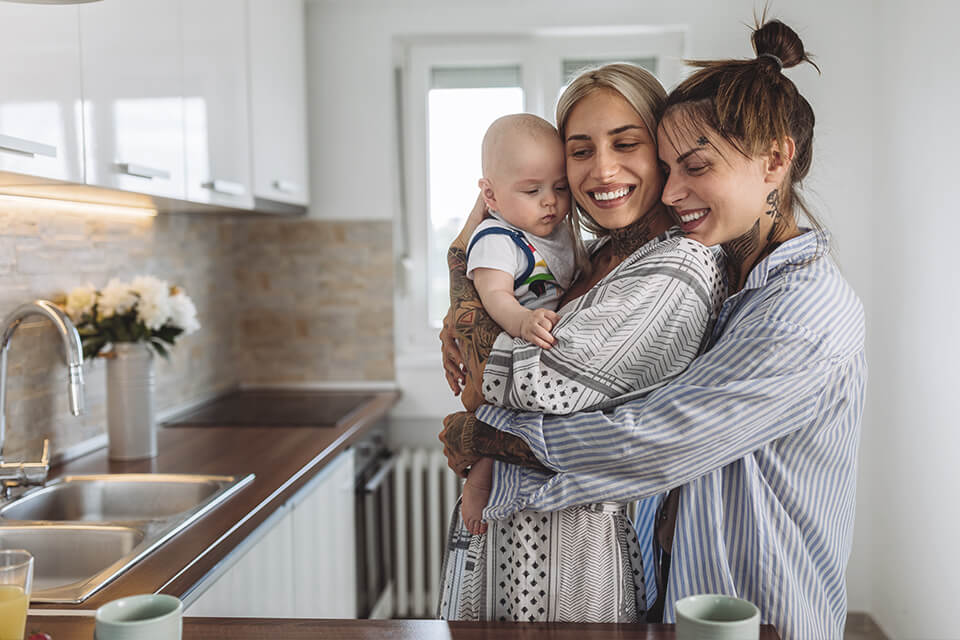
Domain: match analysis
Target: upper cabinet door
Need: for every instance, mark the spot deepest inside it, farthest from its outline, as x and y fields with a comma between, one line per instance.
x=133, y=96
x=278, y=101
x=40, y=99
x=216, y=111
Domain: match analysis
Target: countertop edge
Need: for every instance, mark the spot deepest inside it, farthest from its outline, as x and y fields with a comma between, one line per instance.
x=184, y=582
x=137, y=579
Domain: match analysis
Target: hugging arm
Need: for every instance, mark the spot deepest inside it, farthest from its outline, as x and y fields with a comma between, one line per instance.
x=632, y=332
x=758, y=384
x=474, y=331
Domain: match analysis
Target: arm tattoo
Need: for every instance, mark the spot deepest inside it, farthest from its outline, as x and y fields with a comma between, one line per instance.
x=476, y=330
x=489, y=442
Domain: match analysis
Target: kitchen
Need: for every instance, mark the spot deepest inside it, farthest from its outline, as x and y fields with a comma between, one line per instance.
x=316, y=300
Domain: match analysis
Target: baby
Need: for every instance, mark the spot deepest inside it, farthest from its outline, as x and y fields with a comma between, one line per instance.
x=522, y=259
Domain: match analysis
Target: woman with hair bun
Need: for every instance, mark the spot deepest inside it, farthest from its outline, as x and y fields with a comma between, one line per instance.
x=757, y=440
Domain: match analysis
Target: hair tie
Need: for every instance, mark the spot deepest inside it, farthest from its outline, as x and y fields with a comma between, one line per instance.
x=775, y=59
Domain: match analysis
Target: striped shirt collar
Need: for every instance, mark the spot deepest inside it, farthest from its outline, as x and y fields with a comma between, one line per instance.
x=805, y=248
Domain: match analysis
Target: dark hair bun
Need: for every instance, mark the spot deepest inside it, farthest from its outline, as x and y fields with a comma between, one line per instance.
x=778, y=39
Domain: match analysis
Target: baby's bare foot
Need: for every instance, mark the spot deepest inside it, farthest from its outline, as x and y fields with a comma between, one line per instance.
x=471, y=508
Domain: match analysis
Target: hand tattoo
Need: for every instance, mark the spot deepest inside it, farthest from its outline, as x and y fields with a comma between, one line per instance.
x=466, y=440
x=492, y=443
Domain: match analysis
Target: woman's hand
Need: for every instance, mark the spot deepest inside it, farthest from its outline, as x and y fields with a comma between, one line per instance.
x=455, y=427
x=453, y=365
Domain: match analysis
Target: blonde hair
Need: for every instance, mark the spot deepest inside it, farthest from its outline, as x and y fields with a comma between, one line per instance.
x=636, y=85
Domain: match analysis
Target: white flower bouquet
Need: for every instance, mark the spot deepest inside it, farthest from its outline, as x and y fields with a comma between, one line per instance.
x=146, y=309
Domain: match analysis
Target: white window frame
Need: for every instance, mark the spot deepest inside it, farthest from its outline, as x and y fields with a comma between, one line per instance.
x=540, y=59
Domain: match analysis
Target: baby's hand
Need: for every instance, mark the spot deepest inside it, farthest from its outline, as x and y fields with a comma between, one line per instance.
x=536, y=325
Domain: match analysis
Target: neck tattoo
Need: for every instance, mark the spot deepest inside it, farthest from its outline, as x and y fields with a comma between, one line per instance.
x=776, y=228
x=745, y=251
x=739, y=251
x=626, y=240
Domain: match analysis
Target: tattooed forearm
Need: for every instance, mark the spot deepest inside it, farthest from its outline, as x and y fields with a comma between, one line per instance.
x=476, y=330
x=465, y=440
x=491, y=443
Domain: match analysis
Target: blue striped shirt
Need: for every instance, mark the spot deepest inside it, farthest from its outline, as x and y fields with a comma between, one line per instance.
x=761, y=432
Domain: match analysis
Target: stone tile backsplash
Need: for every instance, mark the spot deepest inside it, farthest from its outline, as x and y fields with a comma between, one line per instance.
x=280, y=300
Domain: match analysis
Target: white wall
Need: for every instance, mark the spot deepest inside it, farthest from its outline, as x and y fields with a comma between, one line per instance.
x=916, y=218
x=885, y=68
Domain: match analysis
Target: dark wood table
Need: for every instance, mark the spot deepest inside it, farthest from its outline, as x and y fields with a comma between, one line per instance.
x=77, y=628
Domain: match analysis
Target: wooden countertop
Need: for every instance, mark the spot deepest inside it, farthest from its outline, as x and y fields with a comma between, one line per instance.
x=283, y=459
x=67, y=628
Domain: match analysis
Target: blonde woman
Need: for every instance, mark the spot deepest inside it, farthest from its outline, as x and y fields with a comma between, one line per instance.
x=633, y=321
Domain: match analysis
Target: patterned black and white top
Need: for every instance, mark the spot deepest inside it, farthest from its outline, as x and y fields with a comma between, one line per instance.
x=639, y=327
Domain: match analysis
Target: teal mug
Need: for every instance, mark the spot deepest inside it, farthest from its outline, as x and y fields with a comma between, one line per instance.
x=145, y=617
x=716, y=617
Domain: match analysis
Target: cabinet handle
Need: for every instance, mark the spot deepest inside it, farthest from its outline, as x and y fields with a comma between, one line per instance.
x=142, y=171
x=286, y=186
x=225, y=187
x=27, y=147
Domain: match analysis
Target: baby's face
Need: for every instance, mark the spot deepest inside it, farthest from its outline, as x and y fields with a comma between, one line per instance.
x=530, y=184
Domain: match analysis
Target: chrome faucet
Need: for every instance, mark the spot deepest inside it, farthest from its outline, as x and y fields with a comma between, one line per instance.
x=21, y=473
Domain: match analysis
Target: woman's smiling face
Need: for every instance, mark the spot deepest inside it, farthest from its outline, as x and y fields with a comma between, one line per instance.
x=715, y=192
x=612, y=164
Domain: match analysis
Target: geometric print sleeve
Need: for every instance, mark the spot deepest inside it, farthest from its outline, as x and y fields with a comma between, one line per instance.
x=634, y=331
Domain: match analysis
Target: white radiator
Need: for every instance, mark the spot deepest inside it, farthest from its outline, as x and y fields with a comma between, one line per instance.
x=425, y=492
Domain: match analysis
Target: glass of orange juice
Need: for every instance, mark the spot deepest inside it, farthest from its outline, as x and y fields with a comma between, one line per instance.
x=16, y=579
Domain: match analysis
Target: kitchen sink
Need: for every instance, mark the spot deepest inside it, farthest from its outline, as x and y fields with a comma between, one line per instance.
x=116, y=497
x=66, y=555
x=84, y=531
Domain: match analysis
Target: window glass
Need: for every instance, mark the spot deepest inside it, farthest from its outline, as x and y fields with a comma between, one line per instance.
x=461, y=104
x=573, y=66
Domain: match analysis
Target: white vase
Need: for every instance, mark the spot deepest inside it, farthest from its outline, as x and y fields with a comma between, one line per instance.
x=131, y=427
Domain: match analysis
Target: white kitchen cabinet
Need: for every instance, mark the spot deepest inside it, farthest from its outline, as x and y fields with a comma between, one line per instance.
x=132, y=75
x=302, y=561
x=259, y=584
x=324, y=573
x=40, y=95
x=278, y=102
x=216, y=109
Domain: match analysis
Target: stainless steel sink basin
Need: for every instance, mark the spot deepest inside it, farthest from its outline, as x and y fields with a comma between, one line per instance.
x=116, y=497
x=70, y=555
x=84, y=531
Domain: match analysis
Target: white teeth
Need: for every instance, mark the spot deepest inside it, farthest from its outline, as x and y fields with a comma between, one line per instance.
x=696, y=215
x=611, y=195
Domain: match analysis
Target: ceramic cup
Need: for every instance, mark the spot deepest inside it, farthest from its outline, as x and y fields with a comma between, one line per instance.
x=717, y=617
x=146, y=617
